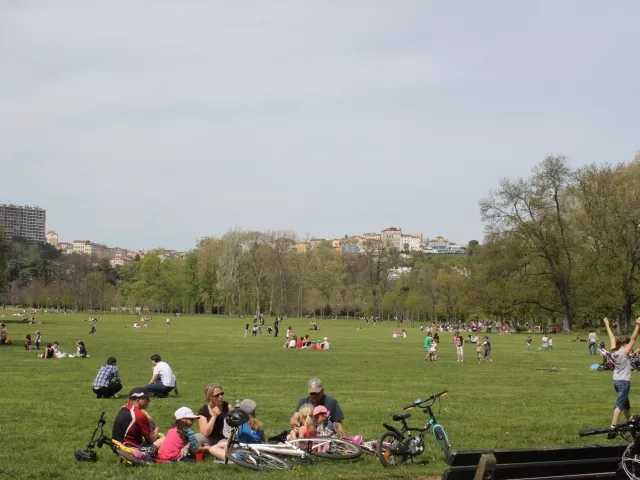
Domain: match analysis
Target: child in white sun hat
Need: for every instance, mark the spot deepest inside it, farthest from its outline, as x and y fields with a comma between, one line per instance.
x=180, y=442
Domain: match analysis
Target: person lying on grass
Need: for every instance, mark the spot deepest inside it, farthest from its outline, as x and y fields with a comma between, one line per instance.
x=180, y=442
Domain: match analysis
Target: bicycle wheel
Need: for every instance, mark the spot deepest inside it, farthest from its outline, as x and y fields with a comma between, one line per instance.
x=328, y=447
x=389, y=452
x=130, y=455
x=130, y=458
x=245, y=457
x=441, y=439
x=631, y=462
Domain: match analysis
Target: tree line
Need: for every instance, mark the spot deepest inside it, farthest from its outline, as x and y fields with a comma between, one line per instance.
x=562, y=246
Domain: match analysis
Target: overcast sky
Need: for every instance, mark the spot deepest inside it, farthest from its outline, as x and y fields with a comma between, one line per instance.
x=145, y=124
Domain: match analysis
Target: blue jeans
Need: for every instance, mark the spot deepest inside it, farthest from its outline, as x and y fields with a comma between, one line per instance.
x=622, y=388
x=158, y=387
x=592, y=349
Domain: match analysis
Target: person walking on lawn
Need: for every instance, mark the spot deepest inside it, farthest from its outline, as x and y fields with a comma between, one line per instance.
x=427, y=345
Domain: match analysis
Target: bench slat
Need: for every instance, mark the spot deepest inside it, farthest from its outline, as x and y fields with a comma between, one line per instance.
x=472, y=457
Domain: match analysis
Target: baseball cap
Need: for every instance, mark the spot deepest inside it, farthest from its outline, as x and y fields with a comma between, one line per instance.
x=326, y=339
x=320, y=409
x=247, y=405
x=185, y=412
x=138, y=393
x=315, y=385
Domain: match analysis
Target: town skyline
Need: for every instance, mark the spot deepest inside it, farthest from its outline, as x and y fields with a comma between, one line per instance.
x=392, y=236
x=324, y=118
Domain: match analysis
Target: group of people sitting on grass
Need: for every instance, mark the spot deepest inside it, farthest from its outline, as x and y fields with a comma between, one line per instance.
x=53, y=350
x=306, y=342
x=316, y=415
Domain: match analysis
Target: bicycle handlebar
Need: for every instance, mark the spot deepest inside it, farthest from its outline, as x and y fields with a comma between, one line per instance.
x=595, y=431
x=419, y=402
x=633, y=426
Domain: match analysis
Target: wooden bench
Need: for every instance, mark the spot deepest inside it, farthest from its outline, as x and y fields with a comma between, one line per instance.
x=561, y=463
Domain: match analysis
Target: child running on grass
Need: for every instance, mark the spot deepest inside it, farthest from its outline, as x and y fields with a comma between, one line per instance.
x=479, y=352
x=620, y=349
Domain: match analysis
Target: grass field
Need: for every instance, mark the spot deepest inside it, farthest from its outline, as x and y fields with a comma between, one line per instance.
x=48, y=407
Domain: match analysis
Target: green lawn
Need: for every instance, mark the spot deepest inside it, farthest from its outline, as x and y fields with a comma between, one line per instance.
x=48, y=408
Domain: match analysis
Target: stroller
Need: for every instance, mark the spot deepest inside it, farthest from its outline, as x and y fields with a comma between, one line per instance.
x=635, y=361
x=607, y=361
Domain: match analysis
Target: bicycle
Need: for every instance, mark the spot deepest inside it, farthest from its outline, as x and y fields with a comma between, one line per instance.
x=130, y=455
x=395, y=447
x=629, y=431
x=266, y=456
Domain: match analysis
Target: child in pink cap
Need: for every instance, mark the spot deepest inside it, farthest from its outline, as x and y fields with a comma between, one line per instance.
x=324, y=426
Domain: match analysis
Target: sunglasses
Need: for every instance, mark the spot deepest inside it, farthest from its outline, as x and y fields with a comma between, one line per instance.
x=218, y=394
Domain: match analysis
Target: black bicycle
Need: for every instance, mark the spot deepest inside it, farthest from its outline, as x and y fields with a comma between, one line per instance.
x=130, y=455
x=628, y=431
x=396, y=446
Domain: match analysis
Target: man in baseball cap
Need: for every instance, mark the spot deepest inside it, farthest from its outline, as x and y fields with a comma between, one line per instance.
x=133, y=425
x=316, y=397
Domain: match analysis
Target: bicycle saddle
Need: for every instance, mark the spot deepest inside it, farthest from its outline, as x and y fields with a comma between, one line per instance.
x=401, y=416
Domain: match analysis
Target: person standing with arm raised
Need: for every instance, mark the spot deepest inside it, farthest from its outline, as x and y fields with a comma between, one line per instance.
x=620, y=349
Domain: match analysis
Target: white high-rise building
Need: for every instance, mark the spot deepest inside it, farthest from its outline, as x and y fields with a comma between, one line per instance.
x=23, y=221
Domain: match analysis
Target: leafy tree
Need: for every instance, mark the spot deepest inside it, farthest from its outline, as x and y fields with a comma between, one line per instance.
x=535, y=211
x=609, y=219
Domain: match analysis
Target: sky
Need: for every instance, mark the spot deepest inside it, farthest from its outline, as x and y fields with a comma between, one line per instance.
x=152, y=124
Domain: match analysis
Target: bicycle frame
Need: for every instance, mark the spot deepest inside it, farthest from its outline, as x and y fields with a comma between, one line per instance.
x=432, y=424
x=285, y=448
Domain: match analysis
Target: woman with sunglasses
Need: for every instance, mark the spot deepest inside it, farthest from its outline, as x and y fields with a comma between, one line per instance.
x=212, y=415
